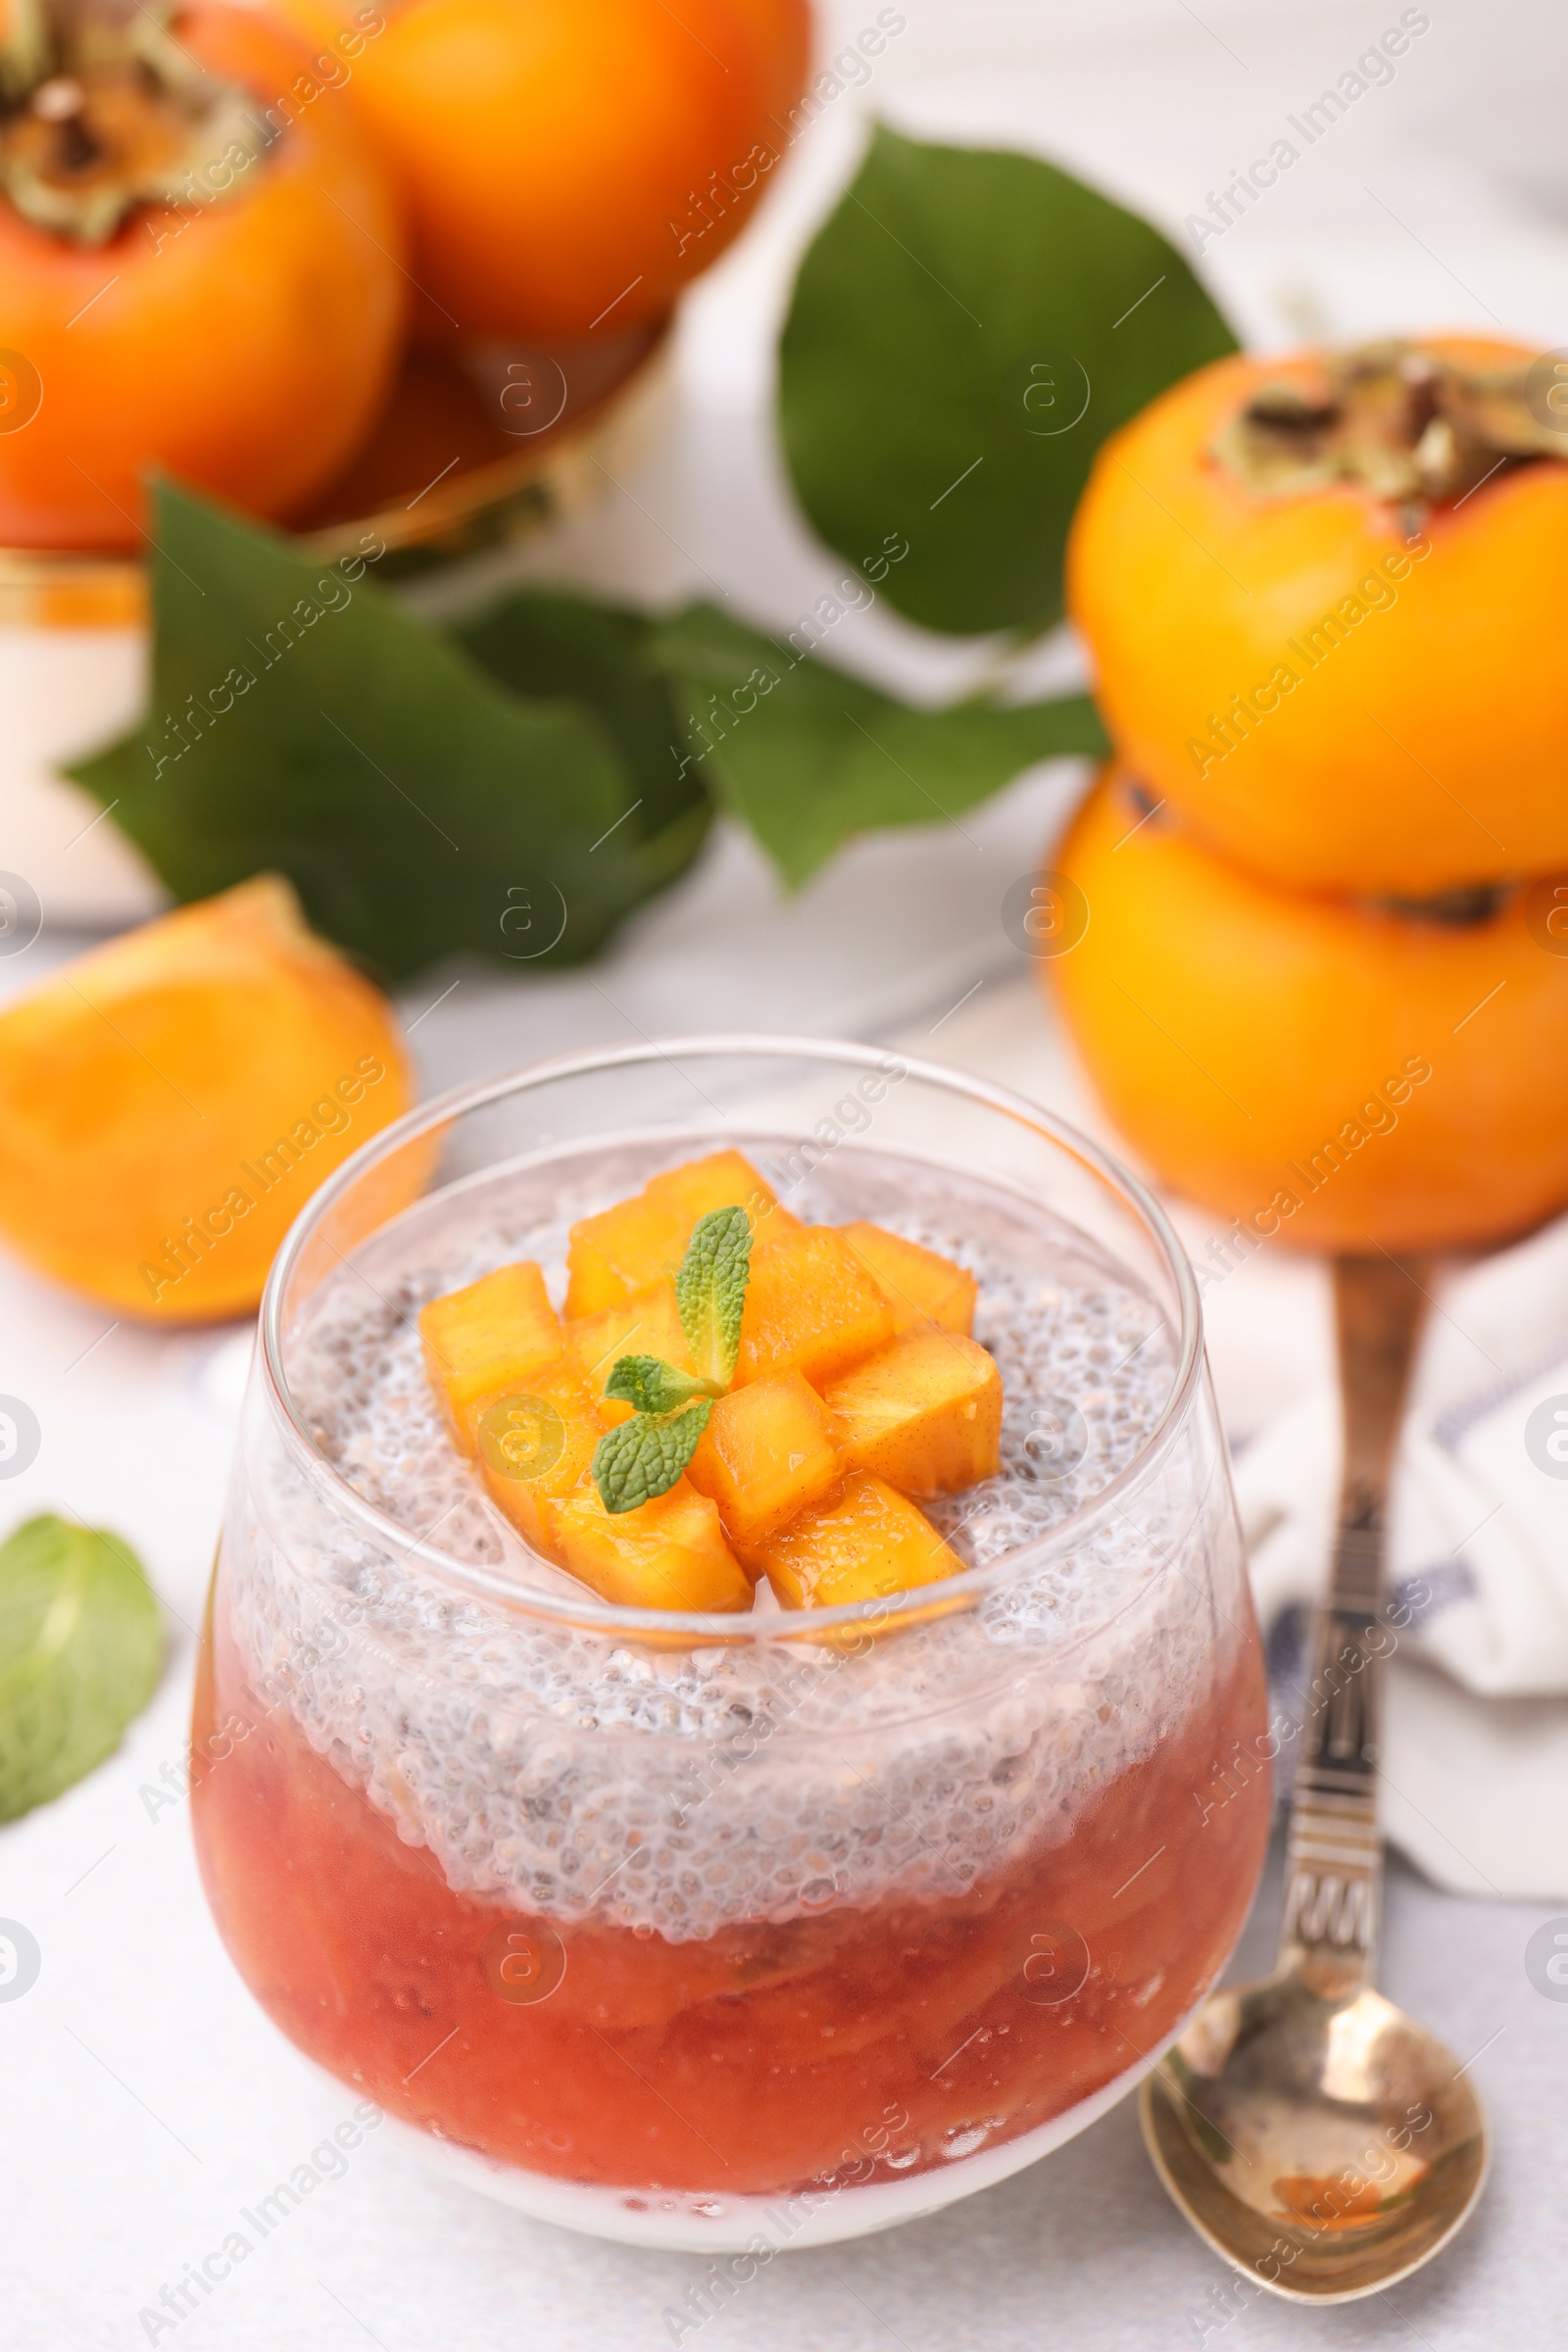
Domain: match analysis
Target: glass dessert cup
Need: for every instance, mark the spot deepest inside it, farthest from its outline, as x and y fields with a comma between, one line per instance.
x=690, y=1929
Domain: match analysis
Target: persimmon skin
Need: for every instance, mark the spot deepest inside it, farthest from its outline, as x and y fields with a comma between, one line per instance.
x=1424, y=750
x=553, y=152
x=246, y=347
x=1233, y=1030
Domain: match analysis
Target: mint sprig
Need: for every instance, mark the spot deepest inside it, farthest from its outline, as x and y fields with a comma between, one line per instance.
x=81, y=1640
x=710, y=1291
x=655, y=1386
x=643, y=1457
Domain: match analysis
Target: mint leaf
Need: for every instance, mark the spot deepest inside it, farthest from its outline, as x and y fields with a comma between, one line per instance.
x=645, y=1456
x=809, y=756
x=304, y=722
x=653, y=1386
x=81, y=1640
x=710, y=1291
x=952, y=287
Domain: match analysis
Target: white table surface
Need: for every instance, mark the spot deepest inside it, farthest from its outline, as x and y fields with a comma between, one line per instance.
x=143, y=2098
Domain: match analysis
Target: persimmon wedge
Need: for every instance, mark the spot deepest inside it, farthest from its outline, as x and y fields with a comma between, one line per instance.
x=169, y=1101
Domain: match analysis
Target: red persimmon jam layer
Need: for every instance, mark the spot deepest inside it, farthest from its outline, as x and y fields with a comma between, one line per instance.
x=764, y=2054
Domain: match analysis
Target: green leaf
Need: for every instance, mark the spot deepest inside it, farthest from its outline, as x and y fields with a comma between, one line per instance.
x=950, y=318
x=81, y=1640
x=644, y=1457
x=303, y=722
x=545, y=643
x=710, y=1291
x=653, y=1386
x=809, y=756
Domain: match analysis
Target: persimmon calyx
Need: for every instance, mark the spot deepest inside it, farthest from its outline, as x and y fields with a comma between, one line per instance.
x=24, y=48
x=100, y=115
x=1404, y=423
x=1465, y=908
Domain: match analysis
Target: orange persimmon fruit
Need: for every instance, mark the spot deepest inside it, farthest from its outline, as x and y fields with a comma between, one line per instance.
x=1341, y=1074
x=169, y=1101
x=199, y=270
x=1321, y=597
x=569, y=165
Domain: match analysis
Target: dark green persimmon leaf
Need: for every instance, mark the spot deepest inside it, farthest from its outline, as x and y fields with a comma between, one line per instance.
x=81, y=1640
x=966, y=329
x=808, y=757
x=545, y=642
x=303, y=722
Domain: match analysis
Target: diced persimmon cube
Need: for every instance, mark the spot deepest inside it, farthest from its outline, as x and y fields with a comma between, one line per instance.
x=492, y=1336
x=723, y=1180
x=919, y=1286
x=925, y=1414
x=648, y=1323
x=767, y=1451
x=669, y=1553
x=810, y=1307
x=640, y=1241
x=861, y=1542
x=536, y=1444
x=622, y=1250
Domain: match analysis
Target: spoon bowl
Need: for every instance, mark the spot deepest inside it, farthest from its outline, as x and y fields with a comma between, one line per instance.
x=1326, y=2144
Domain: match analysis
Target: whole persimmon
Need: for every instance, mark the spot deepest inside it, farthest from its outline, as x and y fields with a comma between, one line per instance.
x=169, y=1103
x=199, y=270
x=1321, y=594
x=1342, y=1075
x=571, y=164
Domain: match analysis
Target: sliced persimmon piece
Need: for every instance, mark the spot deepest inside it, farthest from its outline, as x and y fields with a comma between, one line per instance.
x=494, y=1335
x=723, y=1180
x=925, y=1414
x=536, y=1444
x=918, y=1284
x=670, y=1553
x=810, y=1307
x=640, y=1241
x=767, y=1451
x=647, y=1324
x=624, y=1250
x=863, y=1542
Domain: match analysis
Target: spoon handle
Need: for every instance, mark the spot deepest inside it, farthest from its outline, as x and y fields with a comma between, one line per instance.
x=1335, y=1854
